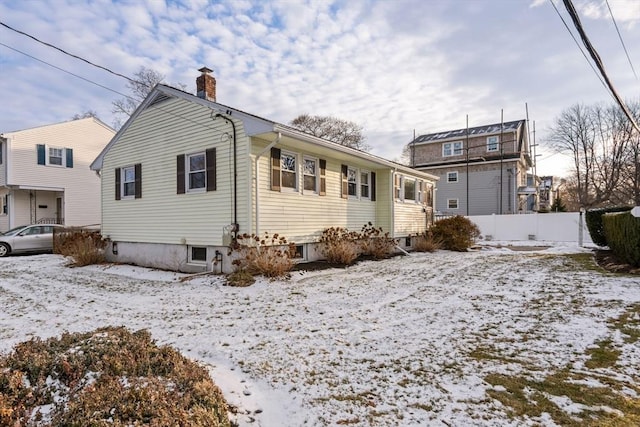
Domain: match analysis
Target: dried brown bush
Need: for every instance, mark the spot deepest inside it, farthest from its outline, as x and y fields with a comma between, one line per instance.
x=339, y=245
x=107, y=377
x=425, y=242
x=269, y=255
x=83, y=246
x=376, y=243
x=457, y=233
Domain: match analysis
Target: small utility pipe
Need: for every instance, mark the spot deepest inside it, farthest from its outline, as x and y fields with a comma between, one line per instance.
x=256, y=179
x=236, y=227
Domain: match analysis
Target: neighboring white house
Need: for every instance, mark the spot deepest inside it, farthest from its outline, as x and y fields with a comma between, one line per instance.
x=45, y=175
x=185, y=174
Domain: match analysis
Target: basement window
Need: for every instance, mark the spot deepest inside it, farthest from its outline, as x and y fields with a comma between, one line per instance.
x=197, y=254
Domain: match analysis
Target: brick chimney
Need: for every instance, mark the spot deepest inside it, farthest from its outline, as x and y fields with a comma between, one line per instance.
x=206, y=85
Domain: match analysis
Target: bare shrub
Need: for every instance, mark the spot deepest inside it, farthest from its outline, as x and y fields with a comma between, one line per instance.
x=376, y=243
x=339, y=245
x=83, y=246
x=456, y=233
x=271, y=256
x=107, y=377
x=426, y=242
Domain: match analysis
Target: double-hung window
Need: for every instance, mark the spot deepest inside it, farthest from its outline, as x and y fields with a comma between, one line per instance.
x=452, y=203
x=364, y=185
x=352, y=182
x=452, y=149
x=128, y=182
x=492, y=143
x=55, y=156
x=310, y=173
x=196, y=172
x=452, y=176
x=409, y=189
x=288, y=169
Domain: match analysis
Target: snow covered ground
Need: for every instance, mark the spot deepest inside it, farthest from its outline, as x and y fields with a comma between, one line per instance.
x=380, y=343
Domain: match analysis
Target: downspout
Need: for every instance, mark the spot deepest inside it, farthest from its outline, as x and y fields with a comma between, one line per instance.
x=235, y=224
x=256, y=179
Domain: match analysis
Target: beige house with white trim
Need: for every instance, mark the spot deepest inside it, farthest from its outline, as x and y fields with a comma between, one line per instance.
x=45, y=175
x=186, y=173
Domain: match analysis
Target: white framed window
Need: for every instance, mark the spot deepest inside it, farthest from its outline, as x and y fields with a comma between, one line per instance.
x=196, y=175
x=420, y=195
x=365, y=185
x=289, y=170
x=310, y=175
x=397, y=187
x=452, y=203
x=55, y=156
x=197, y=254
x=452, y=176
x=492, y=143
x=128, y=182
x=452, y=149
x=352, y=182
x=409, y=191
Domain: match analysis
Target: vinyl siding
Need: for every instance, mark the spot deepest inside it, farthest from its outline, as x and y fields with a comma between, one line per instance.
x=301, y=217
x=161, y=215
x=86, y=137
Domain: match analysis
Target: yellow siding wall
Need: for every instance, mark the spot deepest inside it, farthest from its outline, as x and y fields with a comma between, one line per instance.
x=161, y=215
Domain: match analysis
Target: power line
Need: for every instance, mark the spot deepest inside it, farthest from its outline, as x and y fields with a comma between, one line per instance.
x=621, y=40
x=72, y=55
x=568, y=4
x=579, y=47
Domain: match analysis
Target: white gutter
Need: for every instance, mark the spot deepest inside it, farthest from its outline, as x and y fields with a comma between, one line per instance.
x=393, y=202
x=256, y=180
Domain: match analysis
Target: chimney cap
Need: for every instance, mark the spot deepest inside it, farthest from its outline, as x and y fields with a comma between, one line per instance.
x=205, y=70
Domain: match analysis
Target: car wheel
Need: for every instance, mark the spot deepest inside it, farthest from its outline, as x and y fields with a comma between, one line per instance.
x=4, y=249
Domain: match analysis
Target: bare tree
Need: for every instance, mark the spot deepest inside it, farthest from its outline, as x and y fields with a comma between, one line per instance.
x=333, y=129
x=143, y=82
x=597, y=138
x=85, y=115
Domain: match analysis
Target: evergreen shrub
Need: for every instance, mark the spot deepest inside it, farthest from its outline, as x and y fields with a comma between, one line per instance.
x=593, y=218
x=622, y=232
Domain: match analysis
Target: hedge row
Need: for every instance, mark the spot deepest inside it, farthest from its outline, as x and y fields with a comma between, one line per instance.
x=622, y=231
x=594, y=222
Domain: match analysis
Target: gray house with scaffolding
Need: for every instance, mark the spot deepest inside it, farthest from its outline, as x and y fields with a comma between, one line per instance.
x=483, y=170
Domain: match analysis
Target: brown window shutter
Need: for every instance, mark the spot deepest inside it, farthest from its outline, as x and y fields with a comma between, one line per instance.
x=323, y=177
x=345, y=183
x=180, y=175
x=138, y=182
x=210, y=155
x=118, y=184
x=275, y=169
x=373, y=186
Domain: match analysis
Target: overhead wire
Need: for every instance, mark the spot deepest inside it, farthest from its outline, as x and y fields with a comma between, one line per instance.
x=598, y=61
x=621, y=40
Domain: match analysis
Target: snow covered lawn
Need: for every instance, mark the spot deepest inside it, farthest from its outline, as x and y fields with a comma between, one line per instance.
x=428, y=339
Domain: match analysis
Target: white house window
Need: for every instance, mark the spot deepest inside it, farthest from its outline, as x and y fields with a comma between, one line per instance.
x=398, y=187
x=409, y=189
x=452, y=176
x=128, y=181
x=352, y=182
x=196, y=172
x=288, y=168
x=452, y=149
x=55, y=156
x=452, y=203
x=310, y=175
x=420, y=195
x=492, y=143
x=197, y=254
x=365, y=192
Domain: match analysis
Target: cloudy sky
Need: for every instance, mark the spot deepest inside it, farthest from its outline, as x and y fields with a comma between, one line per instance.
x=393, y=66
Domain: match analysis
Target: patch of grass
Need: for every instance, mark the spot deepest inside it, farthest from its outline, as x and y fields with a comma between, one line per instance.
x=526, y=397
x=629, y=324
x=109, y=376
x=602, y=356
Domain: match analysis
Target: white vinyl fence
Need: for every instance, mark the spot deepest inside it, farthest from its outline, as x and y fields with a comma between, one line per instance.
x=550, y=227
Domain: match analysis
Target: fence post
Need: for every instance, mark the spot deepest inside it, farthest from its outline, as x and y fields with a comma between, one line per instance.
x=581, y=228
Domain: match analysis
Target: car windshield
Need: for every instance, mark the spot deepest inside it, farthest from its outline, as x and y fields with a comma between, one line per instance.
x=14, y=231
